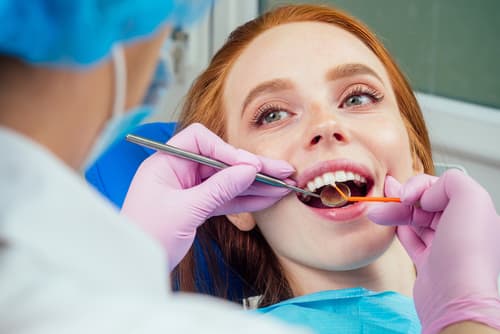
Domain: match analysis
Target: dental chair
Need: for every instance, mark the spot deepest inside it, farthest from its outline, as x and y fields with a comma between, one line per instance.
x=112, y=174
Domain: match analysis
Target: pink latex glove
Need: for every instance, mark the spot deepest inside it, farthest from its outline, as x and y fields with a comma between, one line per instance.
x=451, y=230
x=170, y=197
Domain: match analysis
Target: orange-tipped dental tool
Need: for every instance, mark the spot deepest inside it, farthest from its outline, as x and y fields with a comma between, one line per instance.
x=334, y=196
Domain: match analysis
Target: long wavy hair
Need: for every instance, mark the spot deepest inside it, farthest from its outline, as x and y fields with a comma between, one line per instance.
x=247, y=255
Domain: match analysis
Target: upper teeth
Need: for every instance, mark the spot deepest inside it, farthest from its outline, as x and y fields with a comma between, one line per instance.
x=332, y=177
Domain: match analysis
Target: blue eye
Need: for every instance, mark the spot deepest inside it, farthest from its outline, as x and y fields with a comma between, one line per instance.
x=360, y=96
x=270, y=114
x=274, y=116
x=358, y=100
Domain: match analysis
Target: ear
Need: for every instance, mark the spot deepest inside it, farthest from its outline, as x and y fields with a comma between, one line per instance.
x=243, y=221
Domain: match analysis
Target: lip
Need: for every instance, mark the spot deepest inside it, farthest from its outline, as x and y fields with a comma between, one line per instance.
x=344, y=214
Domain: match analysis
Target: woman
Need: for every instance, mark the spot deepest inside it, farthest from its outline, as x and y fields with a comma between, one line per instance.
x=327, y=97
x=312, y=86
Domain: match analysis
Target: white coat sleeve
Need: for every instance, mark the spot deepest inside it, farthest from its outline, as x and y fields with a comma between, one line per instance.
x=183, y=314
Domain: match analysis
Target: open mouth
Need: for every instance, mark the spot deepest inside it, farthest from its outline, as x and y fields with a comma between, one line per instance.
x=358, y=185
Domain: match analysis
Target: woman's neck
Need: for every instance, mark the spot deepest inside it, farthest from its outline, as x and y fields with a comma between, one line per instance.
x=392, y=271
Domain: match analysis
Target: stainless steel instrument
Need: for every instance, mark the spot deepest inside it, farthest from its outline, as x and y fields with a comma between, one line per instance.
x=210, y=162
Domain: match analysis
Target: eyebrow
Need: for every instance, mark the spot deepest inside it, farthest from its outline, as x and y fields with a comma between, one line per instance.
x=349, y=70
x=270, y=86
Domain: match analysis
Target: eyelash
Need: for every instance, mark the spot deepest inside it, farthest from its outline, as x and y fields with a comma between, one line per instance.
x=373, y=94
x=263, y=111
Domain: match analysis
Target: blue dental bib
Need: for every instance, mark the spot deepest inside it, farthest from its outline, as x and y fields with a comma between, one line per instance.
x=354, y=310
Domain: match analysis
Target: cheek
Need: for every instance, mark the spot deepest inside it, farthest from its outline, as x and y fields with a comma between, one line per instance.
x=273, y=148
x=232, y=127
x=390, y=140
x=390, y=145
x=269, y=145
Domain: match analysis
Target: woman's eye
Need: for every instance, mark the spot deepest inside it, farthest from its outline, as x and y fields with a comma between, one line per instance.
x=357, y=100
x=360, y=96
x=274, y=116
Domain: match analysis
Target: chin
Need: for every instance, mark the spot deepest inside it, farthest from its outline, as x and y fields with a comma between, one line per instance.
x=362, y=252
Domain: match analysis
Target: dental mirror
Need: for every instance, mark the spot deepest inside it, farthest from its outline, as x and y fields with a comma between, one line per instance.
x=335, y=195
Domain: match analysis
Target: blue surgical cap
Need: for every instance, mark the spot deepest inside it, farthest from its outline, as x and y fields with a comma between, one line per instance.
x=82, y=32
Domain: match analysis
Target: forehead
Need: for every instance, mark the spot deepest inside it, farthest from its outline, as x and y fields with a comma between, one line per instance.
x=297, y=49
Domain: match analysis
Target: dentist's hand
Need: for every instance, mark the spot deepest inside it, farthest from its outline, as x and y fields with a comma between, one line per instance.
x=451, y=231
x=170, y=197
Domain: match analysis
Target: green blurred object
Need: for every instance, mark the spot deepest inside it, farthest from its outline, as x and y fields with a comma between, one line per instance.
x=449, y=48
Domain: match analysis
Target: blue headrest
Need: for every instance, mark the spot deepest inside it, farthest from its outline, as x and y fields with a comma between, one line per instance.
x=112, y=173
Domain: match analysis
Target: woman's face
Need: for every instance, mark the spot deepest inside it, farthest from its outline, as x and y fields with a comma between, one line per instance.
x=314, y=95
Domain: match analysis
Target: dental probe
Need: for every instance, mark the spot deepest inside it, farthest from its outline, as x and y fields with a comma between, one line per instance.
x=210, y=162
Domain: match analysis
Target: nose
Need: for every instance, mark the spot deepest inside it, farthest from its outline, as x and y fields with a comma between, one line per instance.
x=325, y=128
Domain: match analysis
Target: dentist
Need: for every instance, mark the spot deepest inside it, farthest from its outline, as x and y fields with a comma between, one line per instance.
x=72, y=76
